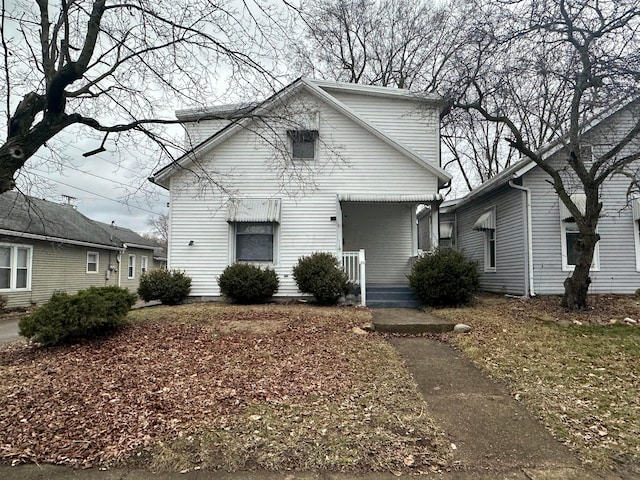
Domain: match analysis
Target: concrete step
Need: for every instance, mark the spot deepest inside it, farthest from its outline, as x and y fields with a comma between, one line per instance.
x=408, y=320
x=391, y=296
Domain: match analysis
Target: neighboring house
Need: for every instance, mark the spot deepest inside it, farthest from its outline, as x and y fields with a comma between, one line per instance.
x=320, y=166
x=522, y=235
x=45, y=247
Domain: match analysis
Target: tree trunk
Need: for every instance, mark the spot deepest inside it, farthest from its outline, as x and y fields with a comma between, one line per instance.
x=576, y=286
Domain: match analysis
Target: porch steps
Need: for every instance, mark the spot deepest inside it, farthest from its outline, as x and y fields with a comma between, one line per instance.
x=391, y=296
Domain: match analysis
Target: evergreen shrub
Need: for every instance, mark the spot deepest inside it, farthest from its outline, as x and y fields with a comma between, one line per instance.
x=246, y=283
x=169, y=286
x=320, y=275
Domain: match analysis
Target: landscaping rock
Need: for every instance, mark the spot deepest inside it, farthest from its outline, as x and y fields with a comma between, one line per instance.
x=368, y=327
x=358, y=331
x=461, y=328
x=630, y=321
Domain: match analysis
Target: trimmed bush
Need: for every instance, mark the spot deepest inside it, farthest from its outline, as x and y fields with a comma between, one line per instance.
x=66, y=318
x=444, y=279
x=169, y=286
x=245, y=283
x=320, y=275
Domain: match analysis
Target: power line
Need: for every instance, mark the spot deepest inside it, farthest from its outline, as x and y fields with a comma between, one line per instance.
x=96, y=194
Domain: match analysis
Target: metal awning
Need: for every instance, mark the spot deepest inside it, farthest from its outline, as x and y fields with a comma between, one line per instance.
x=254, y=210
x=486, y=221
x=446, y=230
x=580, y=201
x=636, y=209
x=389, y=198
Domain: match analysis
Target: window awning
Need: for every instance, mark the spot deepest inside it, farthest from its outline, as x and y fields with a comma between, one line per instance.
x=486, y=221
x=446, y=230
x=580, y=200
x=254, y=210
x=636, y=209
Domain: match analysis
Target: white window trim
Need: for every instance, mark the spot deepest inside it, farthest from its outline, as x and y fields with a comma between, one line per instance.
x=144, y=264
x=276, y=245
x=97, y=254
x=131, y=267
x=315, y=145
x=487, y=246
x=595, y=265
x=13, y=275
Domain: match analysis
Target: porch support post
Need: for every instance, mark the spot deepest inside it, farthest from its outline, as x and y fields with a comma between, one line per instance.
x=363, y=279
x=435, y=226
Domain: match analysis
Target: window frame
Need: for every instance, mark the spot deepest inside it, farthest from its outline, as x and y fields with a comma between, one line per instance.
x=636, y=236
x=97, y=262
x=131, y=267
x=489, y=248
x=144, y=264
x=297, y=136
x=233, y=257
x=566, y=267
x=13, y=267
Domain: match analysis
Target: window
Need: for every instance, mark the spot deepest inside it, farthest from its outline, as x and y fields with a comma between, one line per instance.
x=15, y=267
x=143, y=264
x=490, y=251
x=570, y=235
x=636, y=229
x=487, y=223
x=131, y=272
x=92, y=262
x=254, y=241
x=303, y=144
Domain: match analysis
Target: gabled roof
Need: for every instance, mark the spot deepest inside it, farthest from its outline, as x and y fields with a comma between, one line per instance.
x=29, y=217
x=526, y=164
x=319, y=89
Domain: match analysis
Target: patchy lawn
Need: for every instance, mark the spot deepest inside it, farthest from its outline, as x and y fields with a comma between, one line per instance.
x=577, y=371
x=220, y=387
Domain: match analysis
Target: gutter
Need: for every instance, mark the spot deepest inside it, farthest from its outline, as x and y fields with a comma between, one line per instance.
x=527, y=193
x=46, y=238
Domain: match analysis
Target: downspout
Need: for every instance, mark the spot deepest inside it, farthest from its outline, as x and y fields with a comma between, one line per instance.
x=527, y=194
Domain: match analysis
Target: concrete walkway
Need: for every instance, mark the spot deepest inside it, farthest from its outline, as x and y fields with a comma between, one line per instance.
x=408, y=320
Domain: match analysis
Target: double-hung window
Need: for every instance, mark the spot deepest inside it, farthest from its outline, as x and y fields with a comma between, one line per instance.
x=144, y=264
x=131, y=271
x=569, y=235
x=253, y=229
x=15, y=267
x=636, y=229
x=303, y=144
x=92, y=262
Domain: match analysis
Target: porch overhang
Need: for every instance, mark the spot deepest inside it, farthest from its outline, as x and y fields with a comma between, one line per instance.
x=390, y=198
x=580, y=201
x=254, y=210
x=486, y=221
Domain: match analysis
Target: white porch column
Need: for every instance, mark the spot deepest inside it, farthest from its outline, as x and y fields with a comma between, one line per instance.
x=435, y=227
x=363, y=278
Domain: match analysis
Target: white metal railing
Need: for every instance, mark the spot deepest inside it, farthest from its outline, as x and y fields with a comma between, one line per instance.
x=353, y=263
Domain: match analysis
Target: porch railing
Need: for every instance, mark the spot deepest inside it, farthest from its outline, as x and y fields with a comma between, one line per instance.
x=353, y=263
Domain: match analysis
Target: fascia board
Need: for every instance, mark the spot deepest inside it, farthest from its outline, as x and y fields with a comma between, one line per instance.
x=346, y=111
x=378, y=91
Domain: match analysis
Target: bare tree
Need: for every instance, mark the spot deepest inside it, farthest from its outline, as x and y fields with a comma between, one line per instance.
x=113, y=68
x=560, y=63
x=159, y=229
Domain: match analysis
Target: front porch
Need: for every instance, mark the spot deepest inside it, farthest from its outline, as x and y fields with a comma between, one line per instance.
x=378, y=243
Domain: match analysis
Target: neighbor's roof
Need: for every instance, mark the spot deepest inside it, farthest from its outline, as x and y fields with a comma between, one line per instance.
x=28, y=217
x=127, y=236
x=526, y=164
x=319, y=89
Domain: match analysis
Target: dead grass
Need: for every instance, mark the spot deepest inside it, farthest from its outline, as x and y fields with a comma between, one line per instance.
x=216, y=386
x=576, y=371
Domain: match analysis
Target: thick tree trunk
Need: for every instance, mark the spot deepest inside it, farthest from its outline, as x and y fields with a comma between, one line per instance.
x=576, y=286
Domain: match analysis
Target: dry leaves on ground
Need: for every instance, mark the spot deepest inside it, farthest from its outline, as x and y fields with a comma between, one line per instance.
x=213, y=386
x=577, y=371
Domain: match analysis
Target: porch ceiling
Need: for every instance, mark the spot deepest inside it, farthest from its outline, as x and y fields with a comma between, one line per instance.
x=389, y=198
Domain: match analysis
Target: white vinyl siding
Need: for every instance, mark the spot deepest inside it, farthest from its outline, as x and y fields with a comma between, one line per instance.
x=15, y=267
x=93, y=262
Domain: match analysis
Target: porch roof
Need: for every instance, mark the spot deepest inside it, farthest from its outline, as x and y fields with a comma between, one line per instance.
x=389, y=198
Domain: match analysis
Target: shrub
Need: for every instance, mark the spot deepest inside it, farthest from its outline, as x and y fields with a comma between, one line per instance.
x=90, y=313
x=169, y=286
x=245, y=283
x=3, y=302
x=445, y=278
x=320, y=275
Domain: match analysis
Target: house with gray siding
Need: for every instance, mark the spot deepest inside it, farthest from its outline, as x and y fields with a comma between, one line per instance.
x=522, y=235
x=318, y=167
x=46, y=247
